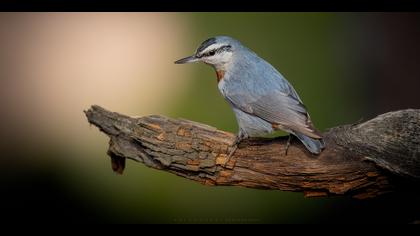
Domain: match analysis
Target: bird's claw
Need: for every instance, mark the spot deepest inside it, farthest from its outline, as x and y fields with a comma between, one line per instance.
x=235, y=147
x=238, y=139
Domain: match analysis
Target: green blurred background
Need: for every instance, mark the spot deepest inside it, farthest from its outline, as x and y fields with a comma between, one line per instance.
x=54, y=167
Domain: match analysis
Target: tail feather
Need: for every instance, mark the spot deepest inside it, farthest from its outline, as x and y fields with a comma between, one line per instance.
x=315, y=146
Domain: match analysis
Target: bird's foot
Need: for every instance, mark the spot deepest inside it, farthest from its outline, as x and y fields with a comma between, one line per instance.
x=238, y=139
x=235, y=147
x=287, y=144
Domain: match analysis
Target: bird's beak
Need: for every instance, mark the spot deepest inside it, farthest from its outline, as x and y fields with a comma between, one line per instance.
x=189, y=59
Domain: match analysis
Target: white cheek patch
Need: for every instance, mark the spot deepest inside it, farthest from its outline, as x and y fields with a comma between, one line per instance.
x=225, y=56
x=219, y=58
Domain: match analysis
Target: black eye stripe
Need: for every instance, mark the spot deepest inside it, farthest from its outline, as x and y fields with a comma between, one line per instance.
x=225, y=48
x=215, y=51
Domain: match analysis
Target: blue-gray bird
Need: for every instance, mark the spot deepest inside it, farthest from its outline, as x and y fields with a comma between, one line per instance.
x=261, y=98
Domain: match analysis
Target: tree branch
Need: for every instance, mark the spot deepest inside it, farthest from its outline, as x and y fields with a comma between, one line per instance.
x=361, y=160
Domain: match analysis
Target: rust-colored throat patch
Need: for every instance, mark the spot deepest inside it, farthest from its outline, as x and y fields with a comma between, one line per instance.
x=220, y=74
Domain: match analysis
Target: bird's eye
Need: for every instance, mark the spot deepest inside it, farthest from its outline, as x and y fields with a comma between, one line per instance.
x=212, y=52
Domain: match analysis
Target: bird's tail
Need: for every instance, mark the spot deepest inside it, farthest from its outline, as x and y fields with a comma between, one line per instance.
x=315, y=146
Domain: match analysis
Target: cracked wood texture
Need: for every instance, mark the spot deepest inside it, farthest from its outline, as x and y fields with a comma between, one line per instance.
x=362, y=160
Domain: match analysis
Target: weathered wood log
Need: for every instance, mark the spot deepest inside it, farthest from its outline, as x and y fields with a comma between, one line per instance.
x=361, y=160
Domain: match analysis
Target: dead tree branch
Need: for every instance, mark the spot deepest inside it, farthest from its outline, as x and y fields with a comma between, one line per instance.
x=361, y=160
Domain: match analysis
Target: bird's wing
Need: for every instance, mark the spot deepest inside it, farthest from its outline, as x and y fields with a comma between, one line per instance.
x=280, y=109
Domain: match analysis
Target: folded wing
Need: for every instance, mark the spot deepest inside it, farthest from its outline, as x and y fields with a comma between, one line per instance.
x=280, y=109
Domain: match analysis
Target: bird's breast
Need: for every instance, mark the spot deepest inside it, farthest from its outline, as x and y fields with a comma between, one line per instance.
x=221, y=84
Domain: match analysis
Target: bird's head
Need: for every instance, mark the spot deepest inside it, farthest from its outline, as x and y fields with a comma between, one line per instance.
x=217, y=51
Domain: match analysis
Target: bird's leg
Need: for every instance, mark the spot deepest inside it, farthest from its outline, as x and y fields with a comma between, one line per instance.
x=239, y=137
x=288, y=144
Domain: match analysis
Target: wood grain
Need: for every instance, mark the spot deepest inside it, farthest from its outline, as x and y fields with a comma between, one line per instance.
x=361, y=160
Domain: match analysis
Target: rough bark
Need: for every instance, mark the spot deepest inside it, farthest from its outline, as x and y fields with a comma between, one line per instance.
x=361, y=160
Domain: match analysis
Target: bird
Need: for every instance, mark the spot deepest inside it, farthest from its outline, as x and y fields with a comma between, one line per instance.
x=261, y=98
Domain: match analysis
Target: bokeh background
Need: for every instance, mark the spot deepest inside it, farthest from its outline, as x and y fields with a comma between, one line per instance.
x=53, y=164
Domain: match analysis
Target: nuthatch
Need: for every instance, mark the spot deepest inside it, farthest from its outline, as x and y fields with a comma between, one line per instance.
x=261, y=98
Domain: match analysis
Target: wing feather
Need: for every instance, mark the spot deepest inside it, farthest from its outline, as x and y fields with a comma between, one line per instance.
x=279, y=109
